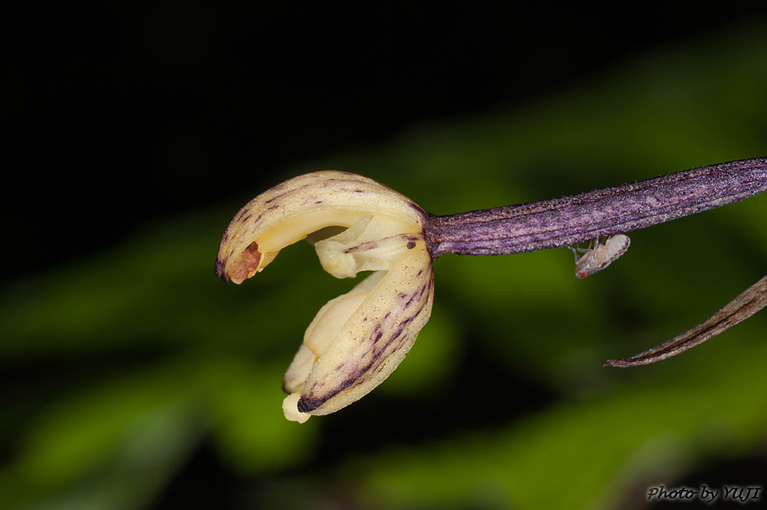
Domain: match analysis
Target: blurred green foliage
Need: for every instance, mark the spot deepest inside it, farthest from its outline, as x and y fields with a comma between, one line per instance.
x=120, y=365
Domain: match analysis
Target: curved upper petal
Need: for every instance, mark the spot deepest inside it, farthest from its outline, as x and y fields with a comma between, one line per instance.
x=289, y=211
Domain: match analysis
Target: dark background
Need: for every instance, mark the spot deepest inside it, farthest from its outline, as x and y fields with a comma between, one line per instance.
x=119, y=114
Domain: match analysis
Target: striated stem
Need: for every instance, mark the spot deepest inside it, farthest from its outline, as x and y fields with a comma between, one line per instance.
x=736, y=311
x=578, y=218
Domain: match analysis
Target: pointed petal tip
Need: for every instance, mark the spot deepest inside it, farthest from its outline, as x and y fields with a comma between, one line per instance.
x=220, y=272
x=307, y=405
x=633, y=361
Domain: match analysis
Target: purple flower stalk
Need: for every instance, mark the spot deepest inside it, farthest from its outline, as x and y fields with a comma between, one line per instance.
x=575, y=219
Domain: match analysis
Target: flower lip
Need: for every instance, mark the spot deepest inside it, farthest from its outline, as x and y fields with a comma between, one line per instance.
x=362, y=336
x=357, y=339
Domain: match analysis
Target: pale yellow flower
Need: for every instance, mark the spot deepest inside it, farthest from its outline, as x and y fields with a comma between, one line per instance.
x=357, y=339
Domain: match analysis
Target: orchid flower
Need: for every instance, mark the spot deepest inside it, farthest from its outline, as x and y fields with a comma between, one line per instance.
x=356, y=224
x=357, y=339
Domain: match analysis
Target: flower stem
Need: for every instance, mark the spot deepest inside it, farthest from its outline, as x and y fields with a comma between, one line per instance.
x=578, y=218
